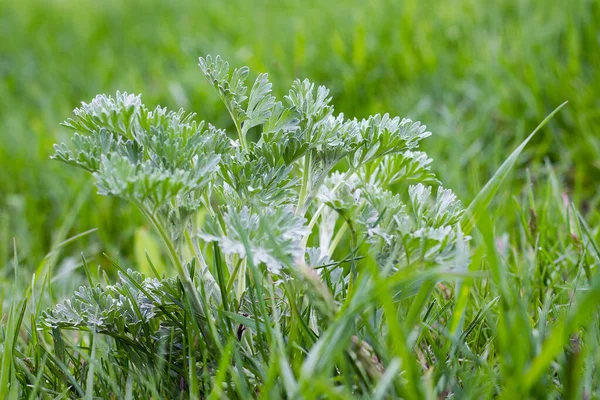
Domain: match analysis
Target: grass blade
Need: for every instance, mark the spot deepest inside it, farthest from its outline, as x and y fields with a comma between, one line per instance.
x=485, y=195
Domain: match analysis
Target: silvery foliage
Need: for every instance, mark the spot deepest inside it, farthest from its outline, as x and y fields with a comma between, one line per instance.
x=272, y=232
x=121, y=308
x=161, y=160
x=263, y=198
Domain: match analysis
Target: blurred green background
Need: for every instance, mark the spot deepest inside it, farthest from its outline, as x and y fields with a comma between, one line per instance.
x=480, y=75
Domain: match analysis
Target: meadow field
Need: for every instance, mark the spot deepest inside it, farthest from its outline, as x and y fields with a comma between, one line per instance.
x=508, y=308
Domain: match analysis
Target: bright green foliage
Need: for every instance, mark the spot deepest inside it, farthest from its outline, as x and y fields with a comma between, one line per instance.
x=512, y=313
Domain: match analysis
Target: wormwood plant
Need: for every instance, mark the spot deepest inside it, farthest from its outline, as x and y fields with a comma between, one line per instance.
x=279, y=233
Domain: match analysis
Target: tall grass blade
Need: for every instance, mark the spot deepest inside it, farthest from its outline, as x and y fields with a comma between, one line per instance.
x=485, y=195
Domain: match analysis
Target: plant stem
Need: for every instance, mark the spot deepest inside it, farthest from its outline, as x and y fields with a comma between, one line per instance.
x=336, y=239
x=184, y=275
x=241, y=134
x=317, y=214
x=206, y=275
x=304, y=187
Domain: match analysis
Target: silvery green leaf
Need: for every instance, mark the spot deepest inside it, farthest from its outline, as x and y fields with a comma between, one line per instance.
x=118, y=176
x=312, y=108
x=232, y=89
x=408, y=166
x=280, y=122
x=260, y=104
x=383, y=135
x=280, y=142
x=116, y=114
x=426, y=231
x=270, y=236
x=445, y=210
x=102, y=309
x=315, y=258
x=256, y=181
x=87, y=149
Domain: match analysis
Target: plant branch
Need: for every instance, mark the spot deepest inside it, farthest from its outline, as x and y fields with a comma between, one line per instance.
x=184, y=275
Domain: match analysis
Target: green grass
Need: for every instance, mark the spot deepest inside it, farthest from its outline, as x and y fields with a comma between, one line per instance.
x=521, y=322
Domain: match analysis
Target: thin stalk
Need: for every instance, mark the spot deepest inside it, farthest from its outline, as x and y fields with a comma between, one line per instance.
x=220, y=275
x=241, y=134
x=206, y=275
x=187, y=282
x=354, y=248
x=336, y=239
x=240, y=265
x=304, y=187
x=317, y=214
x=195, y=251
